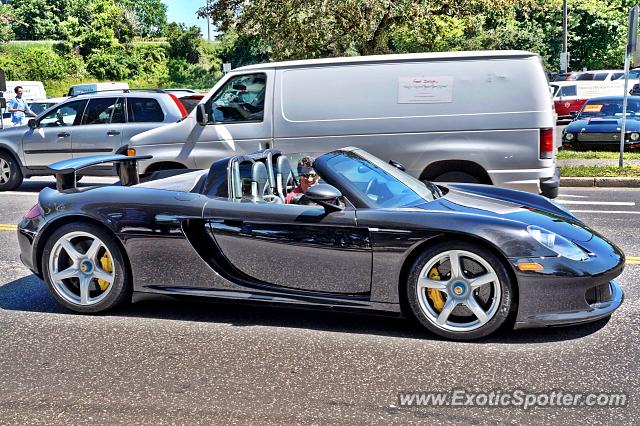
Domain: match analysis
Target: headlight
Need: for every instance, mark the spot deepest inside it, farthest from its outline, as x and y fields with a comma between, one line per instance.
x=569, y=136
x=557, y=243
x=634, y=136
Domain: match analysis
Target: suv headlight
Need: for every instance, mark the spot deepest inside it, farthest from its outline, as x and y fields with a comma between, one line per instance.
x=634, y=136
x=569, y=136
x=557, y=243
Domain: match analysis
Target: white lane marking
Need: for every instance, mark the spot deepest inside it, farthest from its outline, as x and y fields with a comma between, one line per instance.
x=573, y=196
x=605, y=211
x=19, y=193
x=598, y=203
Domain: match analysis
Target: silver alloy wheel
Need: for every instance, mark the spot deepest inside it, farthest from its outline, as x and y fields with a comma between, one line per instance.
x=460, y=289
x=5, y=171
x=74, y=271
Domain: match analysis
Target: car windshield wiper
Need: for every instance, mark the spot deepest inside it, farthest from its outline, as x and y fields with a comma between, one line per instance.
x=435, y=190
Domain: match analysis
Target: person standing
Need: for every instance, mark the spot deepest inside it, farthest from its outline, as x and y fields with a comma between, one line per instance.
x=19, y=108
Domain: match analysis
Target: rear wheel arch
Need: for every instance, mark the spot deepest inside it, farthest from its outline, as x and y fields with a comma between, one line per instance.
x=439, y=168
x=451, y=237
x=65, y=220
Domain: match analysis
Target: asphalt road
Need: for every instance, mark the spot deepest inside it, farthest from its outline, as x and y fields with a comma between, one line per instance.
x=165, y=362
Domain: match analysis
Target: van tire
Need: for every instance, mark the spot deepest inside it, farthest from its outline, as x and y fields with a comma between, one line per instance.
x=10, y=173
x=456, y=177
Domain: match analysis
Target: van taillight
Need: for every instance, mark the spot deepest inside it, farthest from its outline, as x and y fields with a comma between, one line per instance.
x=546, y=143
x=181, y=107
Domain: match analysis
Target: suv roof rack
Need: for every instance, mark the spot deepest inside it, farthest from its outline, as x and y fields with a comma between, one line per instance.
x=151, y=90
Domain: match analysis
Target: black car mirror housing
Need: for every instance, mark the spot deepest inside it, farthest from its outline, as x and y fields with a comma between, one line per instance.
x=201, y=115
x=325, y=195
x=32, y=123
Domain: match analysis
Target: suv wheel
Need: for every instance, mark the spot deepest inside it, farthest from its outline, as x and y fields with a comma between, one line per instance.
x=10, y=173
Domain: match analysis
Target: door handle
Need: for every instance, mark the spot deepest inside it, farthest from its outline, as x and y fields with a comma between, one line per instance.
x=113, y=133
x=64, y=135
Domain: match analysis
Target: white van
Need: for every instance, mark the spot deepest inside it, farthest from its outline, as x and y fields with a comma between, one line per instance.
x=79, y=89
x=462, y=116
x=31, y=90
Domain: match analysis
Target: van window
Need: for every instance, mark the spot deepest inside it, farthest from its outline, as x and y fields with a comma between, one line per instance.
x=601, y=76
x=585, y=76
x=144, y=110
x=568, y=91
x=241, y=99
x=99, y=111
x=617, y=75
x=64, y=115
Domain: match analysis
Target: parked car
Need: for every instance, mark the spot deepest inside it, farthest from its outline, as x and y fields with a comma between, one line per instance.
x=83, y=125
x=570, y=96
x=593, y=75
x=446, y=116
x=464, y=260
x=79, y=89
x=598, y=124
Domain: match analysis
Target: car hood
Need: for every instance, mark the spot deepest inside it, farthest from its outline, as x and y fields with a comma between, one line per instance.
x=506, y=204
x=600, y=125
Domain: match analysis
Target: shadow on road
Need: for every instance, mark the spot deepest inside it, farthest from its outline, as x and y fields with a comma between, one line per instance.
x=31, y=294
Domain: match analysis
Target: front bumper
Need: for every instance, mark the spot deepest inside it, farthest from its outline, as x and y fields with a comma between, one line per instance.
x=595, y=312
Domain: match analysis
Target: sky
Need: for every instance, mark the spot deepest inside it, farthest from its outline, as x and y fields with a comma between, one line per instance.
x=184, y=11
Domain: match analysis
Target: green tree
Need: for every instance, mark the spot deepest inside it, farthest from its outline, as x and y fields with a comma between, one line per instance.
x=101, y=25
x=290, y=29
x=150, y=16
x=41, y=18
x=184, y=43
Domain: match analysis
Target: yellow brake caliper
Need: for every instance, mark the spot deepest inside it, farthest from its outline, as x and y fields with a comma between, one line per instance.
x=434, y=294
x=107, y=266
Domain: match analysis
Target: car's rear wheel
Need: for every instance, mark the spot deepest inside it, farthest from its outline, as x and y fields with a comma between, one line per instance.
x=459, y=291
x=85, y=269
x=10, y=173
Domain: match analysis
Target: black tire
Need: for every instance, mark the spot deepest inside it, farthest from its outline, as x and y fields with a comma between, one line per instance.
x=456, y=176
x=503, y=306
x=121, y=288
x=15, y=174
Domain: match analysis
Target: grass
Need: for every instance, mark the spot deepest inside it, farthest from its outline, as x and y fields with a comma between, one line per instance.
x=596, y=155
x=600, y=171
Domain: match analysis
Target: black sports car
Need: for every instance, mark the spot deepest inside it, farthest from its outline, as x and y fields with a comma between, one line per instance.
x=460, y=258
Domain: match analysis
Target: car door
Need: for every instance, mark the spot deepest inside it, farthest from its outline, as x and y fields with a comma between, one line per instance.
x=294, y=247
x=239, y=119
x=51, y=140
x=100, y=130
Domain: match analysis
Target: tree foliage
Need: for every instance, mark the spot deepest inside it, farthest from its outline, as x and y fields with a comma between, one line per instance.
x=149, y=16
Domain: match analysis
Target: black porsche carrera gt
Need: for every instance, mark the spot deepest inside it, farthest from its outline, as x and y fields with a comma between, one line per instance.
x=460, y=258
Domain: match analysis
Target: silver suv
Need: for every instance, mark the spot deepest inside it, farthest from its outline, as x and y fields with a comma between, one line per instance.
x=83, y=125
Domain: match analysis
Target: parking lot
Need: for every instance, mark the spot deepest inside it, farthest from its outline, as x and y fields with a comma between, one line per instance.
x=166, y=362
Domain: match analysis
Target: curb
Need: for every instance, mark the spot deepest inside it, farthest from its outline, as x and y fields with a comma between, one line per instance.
x=601, y=182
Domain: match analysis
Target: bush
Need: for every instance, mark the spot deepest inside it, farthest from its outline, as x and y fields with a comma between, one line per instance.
x=113, y=64
x=39, y=63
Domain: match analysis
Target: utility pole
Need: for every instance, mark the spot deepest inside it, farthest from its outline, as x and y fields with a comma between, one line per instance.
x=209, y=23
x=564, y=61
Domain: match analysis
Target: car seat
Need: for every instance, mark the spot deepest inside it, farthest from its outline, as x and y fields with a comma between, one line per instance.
x=260, y=188
x=285, y=177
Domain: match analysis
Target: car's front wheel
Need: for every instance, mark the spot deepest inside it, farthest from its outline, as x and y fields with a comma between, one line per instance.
x=459, y=290
x=85, y=269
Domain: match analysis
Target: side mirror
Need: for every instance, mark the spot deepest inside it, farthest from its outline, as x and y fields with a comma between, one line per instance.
x=32, y=123
x=325, y=195
x=397, y=165
x=201, y=115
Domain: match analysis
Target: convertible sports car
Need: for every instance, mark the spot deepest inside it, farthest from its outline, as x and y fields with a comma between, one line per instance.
x=462, y=259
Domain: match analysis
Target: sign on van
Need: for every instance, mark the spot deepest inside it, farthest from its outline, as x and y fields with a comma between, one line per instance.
x=592, y=89
x=425, y=90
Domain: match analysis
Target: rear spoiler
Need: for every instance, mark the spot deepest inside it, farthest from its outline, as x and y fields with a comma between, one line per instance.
x=65, y=171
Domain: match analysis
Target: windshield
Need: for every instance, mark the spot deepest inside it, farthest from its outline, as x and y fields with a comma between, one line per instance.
x=609, y=109
x=381, y=184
